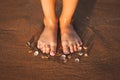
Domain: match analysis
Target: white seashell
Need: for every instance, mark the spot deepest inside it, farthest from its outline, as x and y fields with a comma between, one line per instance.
x=36, y=53
x=77, y=60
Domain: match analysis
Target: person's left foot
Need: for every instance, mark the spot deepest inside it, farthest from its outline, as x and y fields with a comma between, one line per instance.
x=70, y=39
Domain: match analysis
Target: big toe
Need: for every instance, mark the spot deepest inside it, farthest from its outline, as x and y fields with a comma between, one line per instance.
x=65, y=47
x=53, y=49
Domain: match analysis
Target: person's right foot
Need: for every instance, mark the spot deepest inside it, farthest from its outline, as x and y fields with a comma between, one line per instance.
x=48, y=39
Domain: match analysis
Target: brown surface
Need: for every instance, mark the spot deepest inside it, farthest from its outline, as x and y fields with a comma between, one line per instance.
x=97, y=22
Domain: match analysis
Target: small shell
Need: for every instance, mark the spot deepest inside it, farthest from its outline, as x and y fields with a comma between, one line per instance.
x=63, y=57
x=86, y=55
x=77, y=60
x=36, y=53
x=85, y=48
x=80, y=53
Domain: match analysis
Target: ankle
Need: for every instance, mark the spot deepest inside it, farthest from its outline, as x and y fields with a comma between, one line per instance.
x=64, y=22
x=51, y=22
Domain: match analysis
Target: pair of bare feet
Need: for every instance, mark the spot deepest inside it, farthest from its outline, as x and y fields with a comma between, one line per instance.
x=47, y=42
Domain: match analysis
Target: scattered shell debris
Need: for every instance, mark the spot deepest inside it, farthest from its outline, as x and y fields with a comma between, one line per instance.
x=60, y=56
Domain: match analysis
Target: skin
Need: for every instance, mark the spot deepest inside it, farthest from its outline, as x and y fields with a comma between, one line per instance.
x=69, y=38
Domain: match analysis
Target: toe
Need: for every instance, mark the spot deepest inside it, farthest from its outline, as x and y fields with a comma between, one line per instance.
x=78, y=46
x=75, y=47
x=44, y=50
x=53, y=50
x=71, y=48
x=65, y=47
x=47, y=50
x=39, y=45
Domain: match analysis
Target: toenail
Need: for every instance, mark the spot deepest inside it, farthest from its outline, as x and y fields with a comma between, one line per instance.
x=52, y=53
x=71, y=50
x=67, y=52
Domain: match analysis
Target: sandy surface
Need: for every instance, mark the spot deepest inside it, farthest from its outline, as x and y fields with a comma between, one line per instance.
x=97, y=22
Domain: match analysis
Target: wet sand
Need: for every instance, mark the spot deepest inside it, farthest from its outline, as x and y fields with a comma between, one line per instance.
x=96, y=22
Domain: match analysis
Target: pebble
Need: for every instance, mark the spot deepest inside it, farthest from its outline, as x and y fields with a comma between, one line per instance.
x=36, y=53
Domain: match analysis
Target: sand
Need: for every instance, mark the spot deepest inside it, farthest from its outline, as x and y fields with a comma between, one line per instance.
x=96, y=22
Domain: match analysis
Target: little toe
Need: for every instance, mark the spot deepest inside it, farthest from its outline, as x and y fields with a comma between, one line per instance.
x=78, y=44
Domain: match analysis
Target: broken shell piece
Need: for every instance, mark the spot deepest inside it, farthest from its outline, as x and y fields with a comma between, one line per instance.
x=77, y=60
x=86, y=55
x=44, y=57
x=28, y=43
x=30, y=51
x=80, y=53
x=63, y=57
x=36, y=53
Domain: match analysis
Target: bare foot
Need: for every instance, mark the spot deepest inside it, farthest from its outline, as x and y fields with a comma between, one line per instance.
x=70, y=40
x=48, y=39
